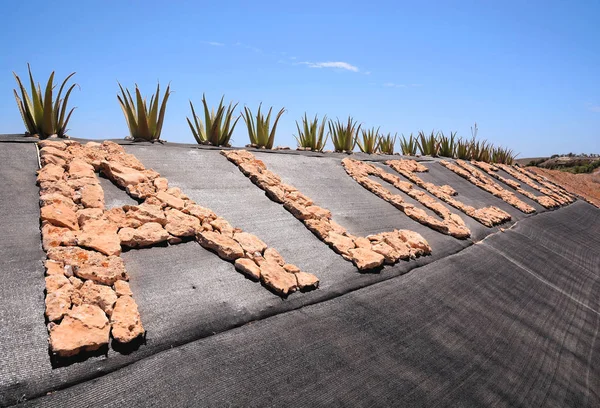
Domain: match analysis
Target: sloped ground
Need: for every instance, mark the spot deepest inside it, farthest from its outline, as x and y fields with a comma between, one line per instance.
x=512, y=320
x=584, y=185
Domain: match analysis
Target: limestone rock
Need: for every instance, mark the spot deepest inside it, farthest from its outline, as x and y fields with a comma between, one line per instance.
x=147, y=213
x=318, y=212
x=319, y=227
x=55, y=282
x=140, y=190
x=291, y=268
x=390, y=255
x=125, y=320
x=306, y=280
x=226, y=247
x=117, y=216
x=92, y=196
x=76, y=282
x=57, y=198
x=122, y=288
x=50, y=172
x=79, y=168
x=248, y=267
x=148, y=234
x=170, y=200
x=58, y=301
x=84, y=328
x=100, y=235
x=250, y=243
x=362, y=242
x=54, y=151
x=203, y=214
x=57, y=236
x=100, y=295
x=275, y=193
x=182, y=225
x=122, y=175
x=90, y=264
x=161, y=184
x=126, y=160
x=60, y=215
x=87, y=214
x=60, y=145
x=365, y=259
x=275, y=277
x=54, y=267
x=60, y=187
x=223, y=226
x=342, y=244
x=272, y=255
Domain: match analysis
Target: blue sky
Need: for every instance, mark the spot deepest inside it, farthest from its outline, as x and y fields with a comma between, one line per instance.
x=527, y=72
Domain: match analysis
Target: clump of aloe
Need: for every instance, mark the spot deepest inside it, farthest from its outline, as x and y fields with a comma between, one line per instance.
x=259, y=131
x=145, y=121
x=217, y=127
x=344, y=135
x=311, y=135
x=42, y=115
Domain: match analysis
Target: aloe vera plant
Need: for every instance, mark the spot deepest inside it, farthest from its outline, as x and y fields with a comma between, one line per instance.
x=480, y=150
x=217, y=127
x=42, y=115
x=369, y=141
x=258, y=131
x=503, y=155
x=344, y=136
x=144, y=120
x=312, y=135
x=446, y=144
x=462, y=149
x=386, y=143
x=428, y=145
x=408, y=146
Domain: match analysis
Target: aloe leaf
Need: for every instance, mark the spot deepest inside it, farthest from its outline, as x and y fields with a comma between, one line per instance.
x=59, y=123
x=142, y=119
x=272, y=135
x=196, y=136
x=38, y=112
x=127, y=115
x=64, y=129
x=26, y=119
x=161, y=114
x=57, y=102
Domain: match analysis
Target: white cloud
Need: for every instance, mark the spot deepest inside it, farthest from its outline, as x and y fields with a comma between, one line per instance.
x=214, y=43
x=594, y=108
x=393, y=85
x=335, y=65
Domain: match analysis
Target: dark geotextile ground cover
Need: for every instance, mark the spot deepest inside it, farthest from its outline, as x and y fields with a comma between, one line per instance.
x=186, y=294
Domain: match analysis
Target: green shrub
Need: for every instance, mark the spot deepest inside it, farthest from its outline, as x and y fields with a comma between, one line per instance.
x=260, y=132
x=369, y=141
x=386, y=143
x=409, y=147
x=312, y=135
x=446, y=144
x=145, y=121
x=428, y=145
x=219, y=127
x=462, y=149
x=480, y=150
x=41, y=115
x=502, y=155
x=344, y=136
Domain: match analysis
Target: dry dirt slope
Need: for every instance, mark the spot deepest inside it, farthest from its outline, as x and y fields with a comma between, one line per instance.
x=585, y=185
